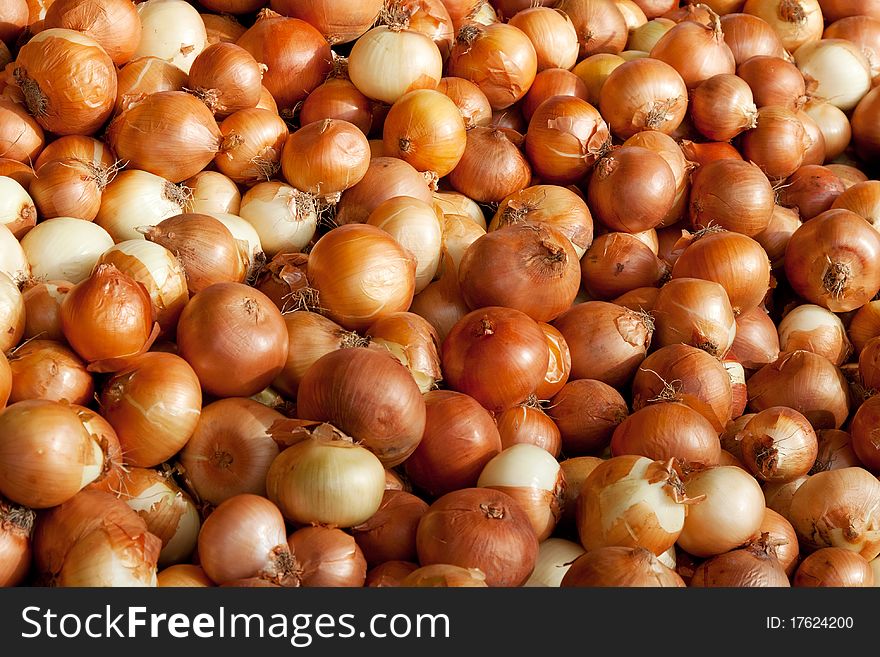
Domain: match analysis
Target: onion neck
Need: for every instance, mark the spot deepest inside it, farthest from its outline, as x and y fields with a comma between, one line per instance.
x=34, y=98
x=791, y=11
x=492, y=511
x=468, y=34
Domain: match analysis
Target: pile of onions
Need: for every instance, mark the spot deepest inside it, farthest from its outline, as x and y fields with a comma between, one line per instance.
x=325, y=479
x=838, y=508
x=479, y=528
x=340, y=388
x=729, y=514
x=631, y=501
x=247, y=346
x=230, y=449
x=245, y=537
x=460, y=437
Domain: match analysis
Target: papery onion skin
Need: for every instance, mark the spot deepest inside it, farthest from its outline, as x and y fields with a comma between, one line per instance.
x=479, y=528
x=778, y=444
x=390, y=574
x=865, y=435
x=491, y=167
x=340, y=388
x=813, y=328
x=783, y=539
x=183, y=575
x=744, y=207
x=838, y=508
x=695, y=312
x=616, y=566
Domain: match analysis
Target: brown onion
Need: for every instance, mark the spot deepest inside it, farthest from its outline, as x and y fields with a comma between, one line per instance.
x=722, y=107
x=834, y=566
x=386, y=177
x=744, y=207
x=45, y=369
x=835, y=451
x=813, y=328
x=529, y=424
x=697, y=50
x=749, y=36
x=774, y=81
x=491, y=167
x=812, y=189
x=21, y=137
x=442, y=576
x=552, y=82
x=337, y=98
x=695, y=312
x=775, y=238
x=783, y=540
x=865, y=443
x=778, y=444
x=620, y=567
x=325, y=556
x=778, y=143
x=755, y=565
x=390, y=534
x=862, y=198
x=183, y=575
x=552, y=33
x=339, y=21
x=325, y=157
x=479, y=528
x=471, y=101
x=112, y=23
x=587, y=413
x=600, y=25
x=16, y=528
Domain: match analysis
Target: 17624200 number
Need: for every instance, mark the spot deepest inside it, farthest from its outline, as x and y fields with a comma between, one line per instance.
x=821, y=622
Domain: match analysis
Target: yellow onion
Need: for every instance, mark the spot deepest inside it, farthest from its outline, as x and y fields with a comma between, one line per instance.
x=617, y=566
x=172, y=30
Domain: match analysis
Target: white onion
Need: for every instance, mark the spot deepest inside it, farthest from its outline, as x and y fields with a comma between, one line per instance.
x=138, y=198
x=284, y=217
x=415, y=225
x=65, y=248
x=213, y=192
x=384, y=63
x=13, y=261
x=172, y=30
x=842, y=71
x=522, y=465
x=16, y=205
x=185, y=535
x=555, y=556
x=814, y=329
x=456, y=203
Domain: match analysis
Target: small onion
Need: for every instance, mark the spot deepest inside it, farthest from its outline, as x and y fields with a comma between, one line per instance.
x=21, y=137
x=834, y=566
x=620, y=567
x=251, y=145
x=778, y=444
x=326, y=479
x=491, y=167
x=325, y=157
x=722, y=107
x=479, y=528
x=838, y=508
x=783, y=540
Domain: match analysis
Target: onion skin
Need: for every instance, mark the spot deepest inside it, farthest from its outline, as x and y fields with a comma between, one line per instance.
x=390, y=574
x=183, y=575
x=757, y=342
x=340, y=388
x=834, y=567
x=620, y=567
x=783, y=540
x=444, y=576
x=479, y=528
x=694, y=312
x=745, y=207
x=778, y=444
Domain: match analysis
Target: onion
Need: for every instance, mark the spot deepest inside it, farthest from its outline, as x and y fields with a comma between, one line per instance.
x=863, y=199
x=137, y=198
x=45, y=443
x=864, y=126
x=205, y=248
x=499, y=58
x=144, y=76
x=834, y=566
x=744, y=207
x=460, y=437
x=632, y=189
x=722, y=107
x=552, y=82
x=520, y=258
x=491, y=167
x=704, y=153
x=631, y=501
x=600, y=25
x=44, y=369
x=840, y=276
x=779, y=142
x=386, y=177
x=392, y=573
x=778, y=444
x=836, y=450
x=153, y=402
x=552, y=34
x=840, y=69
x=783, y=223
x=21, y=137
x=169, y=513
x=326, y=157
x=65, y=248
x=12, y=314
x=42, y=307
x=431, y=17
x=643, y=94
x=114, y=24
x=175, y=150
x=749, y=36
x=773, y=81
x=863, y=429
x=183, y=575
x=337, y=20
x=389, y=420
x=479, y=528
x=594, y=70
x=326, y=557
x=575, y=470
x=251, y=145
x=782, y=540
x=849, y=175
x=555, y=557
x=696, y=312
x=453, y=203
x=17, y=211
x=812, y=189
x=21, y=173
x=795, y=21
x=755, y=565
x=607, y=342
x=230, y=449
x=325, y=479
x=471, y=102
x=245, y=537
x=488, y=339
x=68, y=81
x=284, y=217
x=533, y=478
x=411, y=340
x=528, y=424
x=864, y=325
x=173, y=30
x=735, y=261
x=408, y=60
x=587, y=413
x=68, y=188
x=443, y=576
x=16, y=527
x=696, y=50
x=813, y=328
x=390, y=533
x=337, y=98
x=864, y=31
x=730, y=513
x=310, y=336
x=95, y=540
x=620, y=567
x=251, y=338
x=679, y=372
x=381, y=264
x=440, y=302
x=668, y=431
x=838, y=508
x=778, y=496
